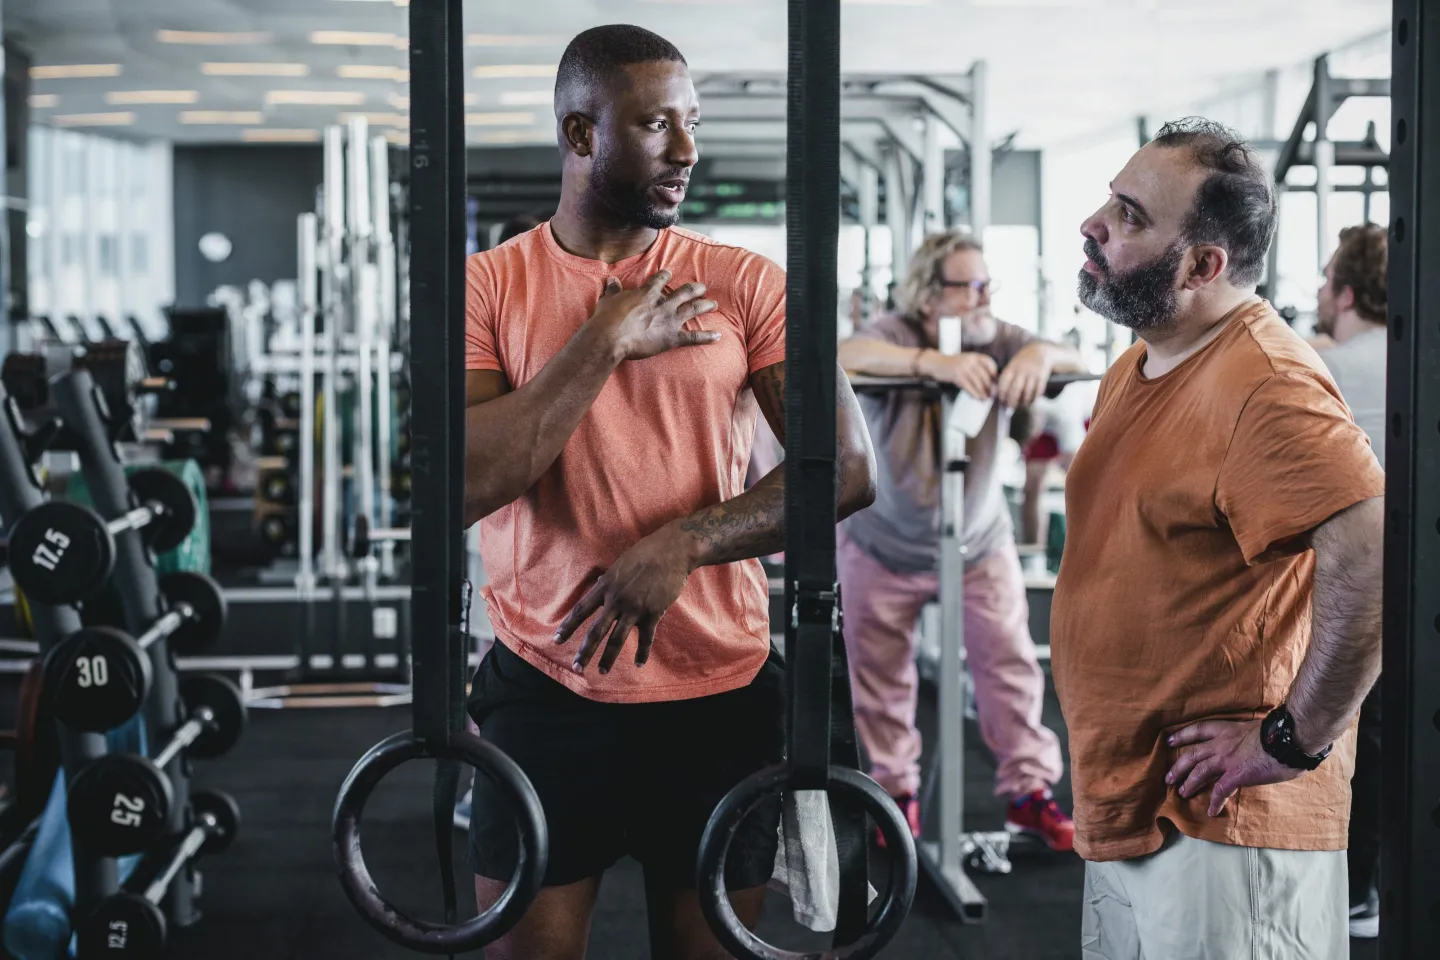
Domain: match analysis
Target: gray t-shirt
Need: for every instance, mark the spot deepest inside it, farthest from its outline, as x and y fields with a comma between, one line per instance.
x=901, y=529
x=1358, y=368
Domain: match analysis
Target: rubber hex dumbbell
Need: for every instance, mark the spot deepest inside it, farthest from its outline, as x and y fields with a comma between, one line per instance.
x=62, y=553
x=118, y=803
x=98, y=677
x=131, y=924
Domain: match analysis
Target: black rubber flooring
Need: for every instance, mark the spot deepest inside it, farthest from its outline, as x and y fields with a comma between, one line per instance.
x=274, y=894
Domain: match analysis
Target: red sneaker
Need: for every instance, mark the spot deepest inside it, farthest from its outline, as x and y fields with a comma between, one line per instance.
x=910, y=806
x=1040, y=816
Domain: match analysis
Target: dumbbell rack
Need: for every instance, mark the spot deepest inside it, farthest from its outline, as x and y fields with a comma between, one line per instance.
x=135, y=580
x=96, y=877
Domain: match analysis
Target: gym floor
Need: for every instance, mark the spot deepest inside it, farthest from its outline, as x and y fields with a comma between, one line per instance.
x=274, y=893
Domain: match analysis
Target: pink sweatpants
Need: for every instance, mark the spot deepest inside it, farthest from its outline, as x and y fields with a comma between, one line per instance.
x=882, y=609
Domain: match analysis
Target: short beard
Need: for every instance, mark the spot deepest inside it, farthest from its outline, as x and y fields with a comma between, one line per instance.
x=1142, y=299
x=628, y=204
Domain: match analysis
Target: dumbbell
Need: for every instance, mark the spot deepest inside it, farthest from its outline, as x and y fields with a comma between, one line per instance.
x=98, y=677
x=130, y=924
x=62, y=553
x=118, y=803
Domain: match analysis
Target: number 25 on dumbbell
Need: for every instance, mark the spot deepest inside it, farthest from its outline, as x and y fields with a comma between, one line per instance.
x=62, y=553
x=118, y=803
x=98, y=677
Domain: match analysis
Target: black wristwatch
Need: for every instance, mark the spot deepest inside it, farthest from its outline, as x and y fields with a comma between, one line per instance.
x=1277, y=736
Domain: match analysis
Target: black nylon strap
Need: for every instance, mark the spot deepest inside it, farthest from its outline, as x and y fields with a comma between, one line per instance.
x=812, y=191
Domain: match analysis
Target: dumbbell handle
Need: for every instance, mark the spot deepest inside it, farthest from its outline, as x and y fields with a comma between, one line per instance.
x=134, y=519
x=191, y=845
x=188, y=733
x=165, y=626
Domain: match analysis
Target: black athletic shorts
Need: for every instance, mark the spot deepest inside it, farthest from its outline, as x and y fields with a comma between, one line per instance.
x=616, y=778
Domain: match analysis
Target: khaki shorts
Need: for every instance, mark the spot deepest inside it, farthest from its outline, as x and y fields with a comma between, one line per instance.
x=1196, y=900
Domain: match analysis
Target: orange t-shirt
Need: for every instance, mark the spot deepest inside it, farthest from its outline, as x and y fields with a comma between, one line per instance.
x=666, y=436
x=1182, y=595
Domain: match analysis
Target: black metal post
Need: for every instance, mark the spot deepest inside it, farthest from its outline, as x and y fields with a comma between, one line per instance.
x=437, y=347
x=1410, y=820
x=79, y=404
x=95, y=876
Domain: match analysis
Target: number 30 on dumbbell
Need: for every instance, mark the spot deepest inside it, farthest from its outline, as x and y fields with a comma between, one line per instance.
x=62, y=553
x=118, y=803
x=98, y=677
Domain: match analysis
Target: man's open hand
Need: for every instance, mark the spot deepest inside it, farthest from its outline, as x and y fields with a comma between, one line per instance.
x=634, y=593
x=1226, y=753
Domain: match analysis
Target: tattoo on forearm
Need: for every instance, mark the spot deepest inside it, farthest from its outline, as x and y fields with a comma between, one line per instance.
x=750, y=525
x=769, y=386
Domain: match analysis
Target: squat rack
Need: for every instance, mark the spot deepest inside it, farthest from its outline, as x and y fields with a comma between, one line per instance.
x=1410, y=820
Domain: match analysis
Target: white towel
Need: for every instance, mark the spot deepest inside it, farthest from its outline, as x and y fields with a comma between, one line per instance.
x=807, y=865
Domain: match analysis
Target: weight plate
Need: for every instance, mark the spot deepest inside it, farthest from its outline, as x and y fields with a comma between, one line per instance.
x=123, y=925
x=205, y=599
x=169, y=530
x=118, y=803
x=97, y=678
x=60, y=553
x=37, y=748
x=226, y=812
x=225, y=701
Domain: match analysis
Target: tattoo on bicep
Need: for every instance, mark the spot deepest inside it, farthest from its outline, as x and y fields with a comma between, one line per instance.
x=769, y=386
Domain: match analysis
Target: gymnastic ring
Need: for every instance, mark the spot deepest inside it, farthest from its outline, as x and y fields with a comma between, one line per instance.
x=720, y=831
x=420, y=935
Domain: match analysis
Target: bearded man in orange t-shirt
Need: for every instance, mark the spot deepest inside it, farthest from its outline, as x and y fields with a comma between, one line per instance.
x=1216, y=620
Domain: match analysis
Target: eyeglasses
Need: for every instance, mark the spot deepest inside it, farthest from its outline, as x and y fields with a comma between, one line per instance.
x=980, y=287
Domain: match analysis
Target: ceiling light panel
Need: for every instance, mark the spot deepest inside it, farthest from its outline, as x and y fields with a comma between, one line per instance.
x=499, y=119
x=74, y=71
x=315, y=98
x=255, y=69
x=358, y=38
x=515, y=40
x=235, y=117
x=43, y=101
x=514, y=71
x=124, y=97
x=527, y=98
x=200, y=37
x=277, y=135
x=371, y=71
x=93, y=119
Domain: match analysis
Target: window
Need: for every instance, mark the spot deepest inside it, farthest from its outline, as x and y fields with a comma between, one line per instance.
x=109, y=255
x=139, y=254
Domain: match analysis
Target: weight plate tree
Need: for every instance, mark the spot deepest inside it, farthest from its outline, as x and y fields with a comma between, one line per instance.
x=437, y=348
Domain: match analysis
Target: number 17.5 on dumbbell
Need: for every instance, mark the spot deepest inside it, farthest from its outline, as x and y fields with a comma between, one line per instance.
x=98, y=677
x=61, y=552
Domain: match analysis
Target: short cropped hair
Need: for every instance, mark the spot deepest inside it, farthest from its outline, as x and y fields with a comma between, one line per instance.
x=598, y=55
x=1360, y=263
x=922, y=280
x=1235, y=206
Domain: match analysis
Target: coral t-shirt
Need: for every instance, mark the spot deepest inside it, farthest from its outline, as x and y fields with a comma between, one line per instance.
x=665, y=437
x=1183, y=592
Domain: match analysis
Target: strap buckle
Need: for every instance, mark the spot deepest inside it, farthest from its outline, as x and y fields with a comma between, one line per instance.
x=815, y=606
